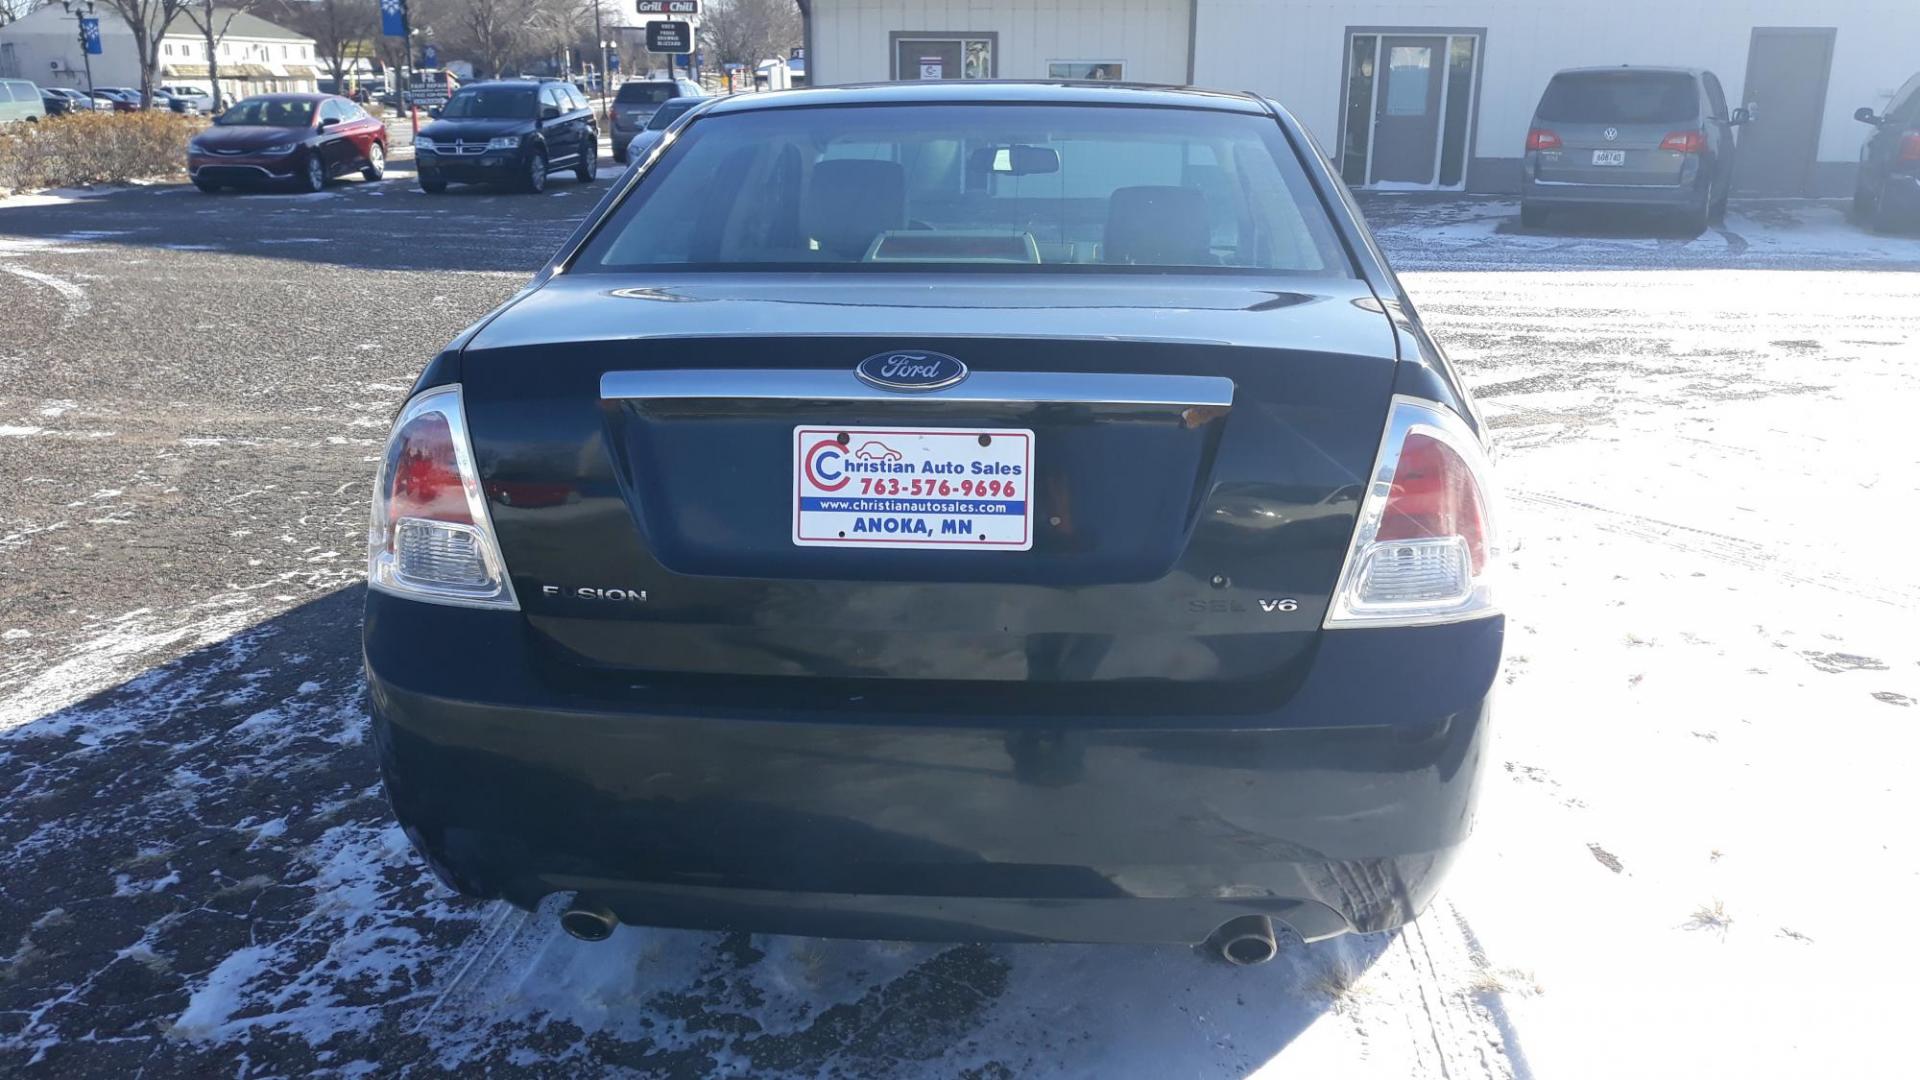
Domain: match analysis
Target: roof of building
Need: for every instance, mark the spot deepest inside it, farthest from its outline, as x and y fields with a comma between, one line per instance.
x=244, y=25
x=1002, y=91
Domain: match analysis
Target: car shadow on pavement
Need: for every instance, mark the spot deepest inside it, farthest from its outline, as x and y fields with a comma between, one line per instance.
x=356, y=224
x=199, y=865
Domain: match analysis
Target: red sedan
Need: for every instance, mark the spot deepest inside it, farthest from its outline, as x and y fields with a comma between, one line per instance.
x=305, y=139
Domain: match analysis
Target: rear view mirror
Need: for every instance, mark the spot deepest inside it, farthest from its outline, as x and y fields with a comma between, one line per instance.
x=549, y=112
x=1865, y=116
x=1741, y=116
x=1011, y=160
x=434, y=111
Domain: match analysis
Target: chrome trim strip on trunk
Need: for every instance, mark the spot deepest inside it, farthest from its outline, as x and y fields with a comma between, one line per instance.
x=979, y=387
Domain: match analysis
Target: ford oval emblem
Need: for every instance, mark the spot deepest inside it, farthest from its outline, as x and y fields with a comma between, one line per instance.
x=911, y=372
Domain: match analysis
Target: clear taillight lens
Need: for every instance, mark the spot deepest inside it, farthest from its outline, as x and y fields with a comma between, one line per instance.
x=1423, y=547
x=430, y=538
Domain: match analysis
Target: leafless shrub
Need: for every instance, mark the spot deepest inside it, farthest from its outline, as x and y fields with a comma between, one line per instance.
x=94, y=148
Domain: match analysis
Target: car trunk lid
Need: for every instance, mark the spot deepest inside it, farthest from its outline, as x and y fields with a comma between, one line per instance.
x=1198, y=448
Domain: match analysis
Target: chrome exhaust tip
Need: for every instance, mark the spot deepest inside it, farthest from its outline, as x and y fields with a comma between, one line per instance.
x=588, y=921
x=1246, y=941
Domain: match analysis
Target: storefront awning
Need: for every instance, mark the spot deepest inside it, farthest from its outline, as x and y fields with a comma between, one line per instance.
x=301, y=71
x=185, y=71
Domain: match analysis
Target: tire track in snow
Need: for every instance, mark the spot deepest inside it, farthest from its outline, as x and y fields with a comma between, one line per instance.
x=75, y=296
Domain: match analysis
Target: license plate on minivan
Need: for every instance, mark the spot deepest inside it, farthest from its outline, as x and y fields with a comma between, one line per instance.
x=913, y=488
x=1609, y=157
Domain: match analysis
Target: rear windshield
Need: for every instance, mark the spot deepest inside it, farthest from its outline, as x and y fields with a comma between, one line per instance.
x=988, y=186
x=1626, y=97
x=644, y=93
x=668, y=113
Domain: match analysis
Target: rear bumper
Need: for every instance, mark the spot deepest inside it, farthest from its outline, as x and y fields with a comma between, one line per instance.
x=1558, y=193
x=1339, y=812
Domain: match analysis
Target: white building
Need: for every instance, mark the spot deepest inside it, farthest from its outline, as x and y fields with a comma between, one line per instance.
x=1416, y=93
x=256, y=57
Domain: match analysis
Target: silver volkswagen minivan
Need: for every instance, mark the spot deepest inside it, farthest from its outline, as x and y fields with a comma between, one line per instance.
x=1631, y=136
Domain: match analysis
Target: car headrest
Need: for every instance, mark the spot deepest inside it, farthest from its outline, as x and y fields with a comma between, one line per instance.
x=852, y=200
x=1158, y=225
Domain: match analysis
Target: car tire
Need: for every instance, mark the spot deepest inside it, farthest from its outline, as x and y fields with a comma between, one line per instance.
x=619, y=152
x=535, y=180
x=1717, y=214
x=376, y=163
x=313, y=174
x=432, y=185
x=1695, y=219
x=207, y=186
x=589, y=162
x=1532, y=216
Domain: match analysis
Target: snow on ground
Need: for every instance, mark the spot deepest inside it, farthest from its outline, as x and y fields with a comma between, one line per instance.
x=1710, y=694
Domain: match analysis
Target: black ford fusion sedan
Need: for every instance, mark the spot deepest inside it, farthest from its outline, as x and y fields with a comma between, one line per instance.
x=952, y=512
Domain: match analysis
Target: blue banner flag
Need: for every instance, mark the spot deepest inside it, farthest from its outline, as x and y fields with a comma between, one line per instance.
x=393, y=18
x=429, y=56
x=90, y=31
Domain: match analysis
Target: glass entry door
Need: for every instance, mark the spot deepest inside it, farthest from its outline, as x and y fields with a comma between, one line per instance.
x=1408, y=116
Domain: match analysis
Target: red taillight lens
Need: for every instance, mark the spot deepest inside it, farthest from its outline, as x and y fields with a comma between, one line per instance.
x=1423, y=540
x=1686, y=142
x=1910, y=146
x=429, y=538
x=1542, y=139
x=1434, y=495
x=426, y=473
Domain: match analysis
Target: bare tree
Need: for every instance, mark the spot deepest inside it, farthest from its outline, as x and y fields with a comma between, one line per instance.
x=148, y=19
x=212, y=23
x=749, y=31
x=339, y=29
x=14, y=10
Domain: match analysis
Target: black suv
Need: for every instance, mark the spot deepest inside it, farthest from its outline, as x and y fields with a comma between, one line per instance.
x=509, y=132
x=1888, y=191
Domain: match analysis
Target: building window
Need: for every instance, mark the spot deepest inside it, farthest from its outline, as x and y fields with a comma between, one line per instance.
x=1087, y=70
x=959, y=56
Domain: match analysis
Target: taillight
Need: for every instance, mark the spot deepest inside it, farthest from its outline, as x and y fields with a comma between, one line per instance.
x=1542, y=139
x=1686, y=142
x=1910, y=146
x=430, y=538
x=1423, y=546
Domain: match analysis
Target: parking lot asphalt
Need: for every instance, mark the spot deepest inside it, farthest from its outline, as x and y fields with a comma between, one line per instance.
x=198, y=875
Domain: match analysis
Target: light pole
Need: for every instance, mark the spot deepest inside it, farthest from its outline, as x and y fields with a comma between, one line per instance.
x=82, y=10
x=606, y=76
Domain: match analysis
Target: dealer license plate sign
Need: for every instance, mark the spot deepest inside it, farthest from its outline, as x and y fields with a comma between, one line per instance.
x=1609, y=157
x=913, y=488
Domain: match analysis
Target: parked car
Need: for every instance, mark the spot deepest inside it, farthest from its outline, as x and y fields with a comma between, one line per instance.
x=645, y=627
x=1631, y=136
x=1887, y=193
x=20, y=102
x=117, y=100
x=199, y=97
x=305, y=139
x=164, y=100
x=508, y=132
x=52, y=104
x=76, y=100
x=657, y=125
x=634, y=103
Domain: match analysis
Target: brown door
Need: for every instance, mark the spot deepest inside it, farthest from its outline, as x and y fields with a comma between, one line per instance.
x=1786, y=91
x=1406, y=109
x=927, y=59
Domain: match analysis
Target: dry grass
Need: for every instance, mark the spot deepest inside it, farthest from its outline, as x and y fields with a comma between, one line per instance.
x=1488, y=979
x=94, y=148
x=1338, y=981
x=1712, y=917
